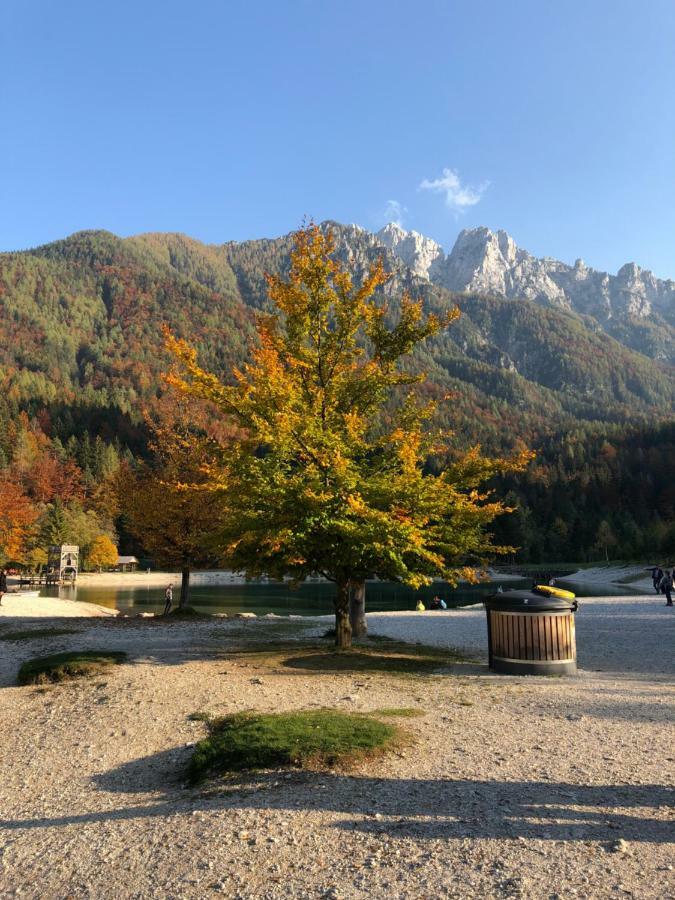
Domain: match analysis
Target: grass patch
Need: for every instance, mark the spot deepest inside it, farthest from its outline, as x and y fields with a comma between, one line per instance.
x=403, y=712
x=64, y=666
x=306, y=739
x=35, y=633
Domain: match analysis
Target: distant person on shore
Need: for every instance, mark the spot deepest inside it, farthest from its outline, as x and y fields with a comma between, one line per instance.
x=420, y=607
x=667, y=586
x=657, y=575
x=168, y=599
x=3, y=584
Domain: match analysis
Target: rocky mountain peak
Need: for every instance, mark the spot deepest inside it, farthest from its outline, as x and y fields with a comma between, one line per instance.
x=392, y=231
x=420, y=254
x=484, y=261
x=629, y=272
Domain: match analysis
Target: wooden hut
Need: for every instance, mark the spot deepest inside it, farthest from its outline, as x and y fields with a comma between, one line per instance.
x=126, y=564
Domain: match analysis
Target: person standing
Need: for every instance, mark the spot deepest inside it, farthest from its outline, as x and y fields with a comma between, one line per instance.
x=3, y=584
x=667, y=586
x=657, y=575
x=168, y=599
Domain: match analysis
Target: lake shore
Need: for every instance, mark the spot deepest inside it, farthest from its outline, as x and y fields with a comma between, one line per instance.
x=210, y=578
x=633, y=576
x=156, y=578
x=472, y=808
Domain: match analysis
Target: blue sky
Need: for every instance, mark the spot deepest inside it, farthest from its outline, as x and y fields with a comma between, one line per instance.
x=233, y=120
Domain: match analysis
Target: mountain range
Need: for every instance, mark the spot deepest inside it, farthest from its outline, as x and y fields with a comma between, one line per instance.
x=574, y=363
x=633, y=306
x=82, y=323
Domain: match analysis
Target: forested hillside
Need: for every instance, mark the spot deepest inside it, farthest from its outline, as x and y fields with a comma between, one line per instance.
x=81, y=356
x=596, y=493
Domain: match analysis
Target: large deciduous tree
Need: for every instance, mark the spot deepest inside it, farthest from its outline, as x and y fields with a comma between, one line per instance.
x=327, y=474
x=167, y=503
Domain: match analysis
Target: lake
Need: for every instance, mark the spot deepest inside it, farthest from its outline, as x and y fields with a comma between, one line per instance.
x=309, y=599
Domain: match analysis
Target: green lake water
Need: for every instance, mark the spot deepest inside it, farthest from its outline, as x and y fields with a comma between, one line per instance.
x=309, y=599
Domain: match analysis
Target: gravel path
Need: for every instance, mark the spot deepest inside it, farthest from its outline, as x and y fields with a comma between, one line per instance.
x=513, y=788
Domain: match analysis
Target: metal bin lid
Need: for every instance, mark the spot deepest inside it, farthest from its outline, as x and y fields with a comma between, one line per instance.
x=527, y=601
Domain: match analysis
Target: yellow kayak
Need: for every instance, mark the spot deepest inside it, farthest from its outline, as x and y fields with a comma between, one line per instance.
x=547, y=591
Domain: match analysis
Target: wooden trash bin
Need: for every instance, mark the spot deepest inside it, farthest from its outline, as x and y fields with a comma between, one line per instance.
x=531, y=635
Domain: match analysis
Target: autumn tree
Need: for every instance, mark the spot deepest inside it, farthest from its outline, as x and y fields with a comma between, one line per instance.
x=102, y=552
x=17, y=518
x=166, y=502
x=328, y=473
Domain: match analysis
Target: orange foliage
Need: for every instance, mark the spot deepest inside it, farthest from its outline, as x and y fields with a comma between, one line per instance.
x=17, y=516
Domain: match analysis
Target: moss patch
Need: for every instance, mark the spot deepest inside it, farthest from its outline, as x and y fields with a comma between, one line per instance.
x=64, y=666
x=305, y=739
x=35, y=633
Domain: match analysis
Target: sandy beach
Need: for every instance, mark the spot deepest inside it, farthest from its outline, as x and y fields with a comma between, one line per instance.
x=14, y=606
x=513, y=788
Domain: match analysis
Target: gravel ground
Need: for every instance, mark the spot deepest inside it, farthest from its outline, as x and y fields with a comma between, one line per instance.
x=513, y=788
x=614, y=634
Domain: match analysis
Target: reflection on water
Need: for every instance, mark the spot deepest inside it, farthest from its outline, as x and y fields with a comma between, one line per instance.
x=309, y=599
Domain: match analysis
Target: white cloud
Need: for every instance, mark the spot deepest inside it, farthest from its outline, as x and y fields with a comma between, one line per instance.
x=458, y=196
x=394, y=212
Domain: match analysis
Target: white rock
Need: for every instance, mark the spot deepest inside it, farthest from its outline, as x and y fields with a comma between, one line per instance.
x=490, y=262
x=420, y=254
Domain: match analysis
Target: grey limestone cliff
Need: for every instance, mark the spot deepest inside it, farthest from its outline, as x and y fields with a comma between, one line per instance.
x=634, y=305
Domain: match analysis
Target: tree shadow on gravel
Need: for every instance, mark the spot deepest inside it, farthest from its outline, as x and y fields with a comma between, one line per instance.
x=449, y=809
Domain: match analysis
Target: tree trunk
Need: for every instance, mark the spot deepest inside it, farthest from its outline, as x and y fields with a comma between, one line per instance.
x=184, y=588
x=357, y=609
x=343, y=628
